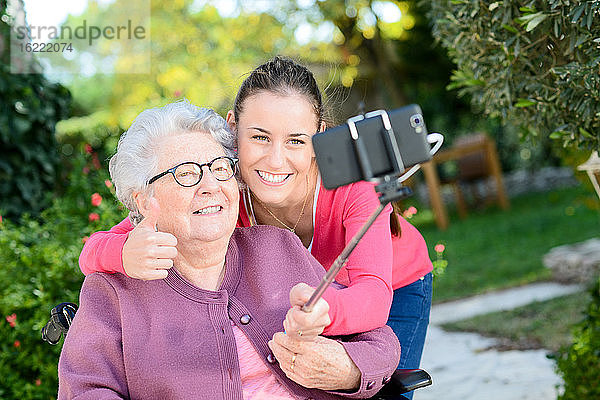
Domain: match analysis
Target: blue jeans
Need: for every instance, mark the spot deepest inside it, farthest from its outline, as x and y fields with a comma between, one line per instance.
x=409, y=318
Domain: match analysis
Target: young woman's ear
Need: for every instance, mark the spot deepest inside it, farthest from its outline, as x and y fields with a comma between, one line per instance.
x=231, y=120
x=323, y=126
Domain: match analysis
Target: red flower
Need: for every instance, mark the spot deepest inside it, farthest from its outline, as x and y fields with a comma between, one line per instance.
x=38, y=382
x=12, y=319
x=96, y=199
x=177, y=93
x=0, y=219
x=85, y=170
x=95, y=161
x=107, y=182
x=439, y=248
x=93, y=217
x=88, y=149
x=84, y=239
x=17, y=343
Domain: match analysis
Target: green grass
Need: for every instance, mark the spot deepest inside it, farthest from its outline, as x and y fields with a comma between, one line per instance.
x=493, y=249
x=544, y=324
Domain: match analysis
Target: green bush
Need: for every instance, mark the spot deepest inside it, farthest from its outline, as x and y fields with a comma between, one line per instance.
x=29, y=157
x=579, y=364
x=534, y=63
x=40, y=269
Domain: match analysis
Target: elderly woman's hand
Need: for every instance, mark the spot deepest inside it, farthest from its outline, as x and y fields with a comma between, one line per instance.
x=148, y=254
x=321, y=364
x=303, y=325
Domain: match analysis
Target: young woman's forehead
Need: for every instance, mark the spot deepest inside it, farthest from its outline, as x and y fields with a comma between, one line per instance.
x=279, y=110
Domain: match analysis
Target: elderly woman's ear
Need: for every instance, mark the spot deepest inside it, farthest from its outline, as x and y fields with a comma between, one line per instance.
x=148, y=206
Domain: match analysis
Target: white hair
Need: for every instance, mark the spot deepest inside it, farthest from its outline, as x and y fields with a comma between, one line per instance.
x=136, y=159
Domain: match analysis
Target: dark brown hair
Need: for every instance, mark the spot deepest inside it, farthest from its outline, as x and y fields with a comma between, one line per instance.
x=281, y=75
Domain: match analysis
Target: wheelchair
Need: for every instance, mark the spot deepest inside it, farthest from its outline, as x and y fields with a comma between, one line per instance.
x=402, y=380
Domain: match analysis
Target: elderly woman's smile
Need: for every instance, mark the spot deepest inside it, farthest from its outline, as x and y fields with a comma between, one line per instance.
x=207, y=210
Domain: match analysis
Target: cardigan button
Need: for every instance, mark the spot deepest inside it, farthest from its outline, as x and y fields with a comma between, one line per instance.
x=271, y=358
x=386, y=379
x=370, y=385
x=245, y=319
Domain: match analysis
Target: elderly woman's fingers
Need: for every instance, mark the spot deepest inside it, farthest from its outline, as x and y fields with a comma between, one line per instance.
x=288, y=360
x=281, y=353
x=322, y=363
x=287, y=342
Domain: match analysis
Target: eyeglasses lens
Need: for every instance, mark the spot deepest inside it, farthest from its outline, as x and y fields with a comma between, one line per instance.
x=188, y=174
x=222, y=169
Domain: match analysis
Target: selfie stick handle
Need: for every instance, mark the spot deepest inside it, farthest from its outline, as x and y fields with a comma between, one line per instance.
x=340, y=261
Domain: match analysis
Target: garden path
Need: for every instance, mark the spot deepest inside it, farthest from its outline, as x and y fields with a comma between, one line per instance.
x=463, y=366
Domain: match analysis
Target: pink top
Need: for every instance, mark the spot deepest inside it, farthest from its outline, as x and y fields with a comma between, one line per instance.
x=258, y=382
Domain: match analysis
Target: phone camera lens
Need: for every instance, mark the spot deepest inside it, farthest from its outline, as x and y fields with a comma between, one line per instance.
x=416, y=120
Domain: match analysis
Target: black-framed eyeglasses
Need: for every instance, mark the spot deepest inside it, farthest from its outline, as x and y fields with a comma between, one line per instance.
x=189, y=173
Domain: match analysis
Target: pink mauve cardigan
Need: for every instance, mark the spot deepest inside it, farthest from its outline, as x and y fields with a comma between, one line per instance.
x=168, y=339
x=379, y=263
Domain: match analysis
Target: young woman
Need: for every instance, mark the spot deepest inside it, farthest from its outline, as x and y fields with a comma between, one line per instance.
x=277, y=110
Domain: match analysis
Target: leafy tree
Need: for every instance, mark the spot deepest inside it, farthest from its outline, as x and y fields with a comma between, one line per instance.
x=195, y=53
x=534, y=63
x=30, y=107
x=387, y=54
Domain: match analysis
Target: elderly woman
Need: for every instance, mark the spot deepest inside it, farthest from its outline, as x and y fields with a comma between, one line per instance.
x=210, y=329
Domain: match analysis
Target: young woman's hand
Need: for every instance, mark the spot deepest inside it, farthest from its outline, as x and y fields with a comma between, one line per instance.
x=147, y=253
x=301, y=325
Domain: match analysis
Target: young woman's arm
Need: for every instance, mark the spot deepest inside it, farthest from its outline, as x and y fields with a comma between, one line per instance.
x=365, y=303
x=103, y=251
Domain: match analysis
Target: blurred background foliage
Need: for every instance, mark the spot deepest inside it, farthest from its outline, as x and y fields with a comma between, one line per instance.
x=526, y=72
x=535, y=64
x=30, y=107
x=377, y=53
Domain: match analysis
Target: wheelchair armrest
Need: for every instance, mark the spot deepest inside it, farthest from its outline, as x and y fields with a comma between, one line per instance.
x=61, y=317
x=402, y=381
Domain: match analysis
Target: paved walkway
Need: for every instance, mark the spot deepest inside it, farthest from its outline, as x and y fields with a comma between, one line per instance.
x=462, y=368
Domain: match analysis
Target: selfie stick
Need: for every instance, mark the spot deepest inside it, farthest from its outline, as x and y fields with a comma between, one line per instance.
x=389, y=185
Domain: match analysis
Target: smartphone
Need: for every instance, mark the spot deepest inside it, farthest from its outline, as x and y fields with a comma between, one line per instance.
x=337, y=154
